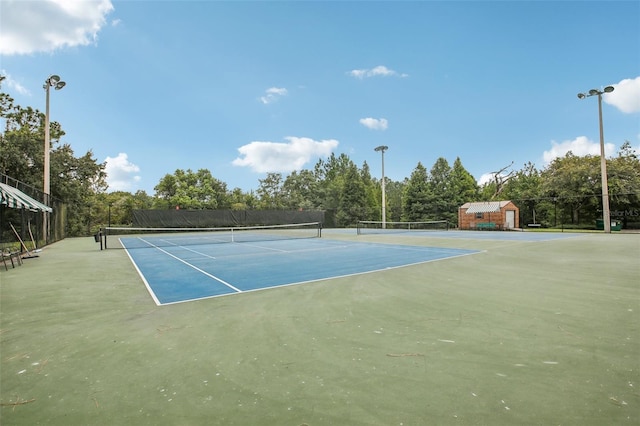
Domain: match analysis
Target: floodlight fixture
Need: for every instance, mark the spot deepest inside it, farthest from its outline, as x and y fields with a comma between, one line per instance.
x=54, y=81
x=596, y=92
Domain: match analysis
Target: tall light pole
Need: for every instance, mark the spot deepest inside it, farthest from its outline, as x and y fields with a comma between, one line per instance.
x=606, y=217
x=55, y=82
x=382, y=149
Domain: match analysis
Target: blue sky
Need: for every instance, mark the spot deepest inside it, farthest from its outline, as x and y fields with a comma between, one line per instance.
x=246, y=88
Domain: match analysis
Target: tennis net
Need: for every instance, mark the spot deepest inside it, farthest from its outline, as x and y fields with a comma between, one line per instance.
x=130, y=237
x=376, y=226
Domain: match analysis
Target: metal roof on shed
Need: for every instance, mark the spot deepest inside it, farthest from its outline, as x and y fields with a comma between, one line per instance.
x=484, y=207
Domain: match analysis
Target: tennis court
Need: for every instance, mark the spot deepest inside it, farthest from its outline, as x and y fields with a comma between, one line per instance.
x=178, y=267
x=477, y=235
x=531, y=330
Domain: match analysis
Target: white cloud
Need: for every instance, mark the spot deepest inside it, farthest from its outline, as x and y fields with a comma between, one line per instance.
x=48, y=25
x=375, y=123
x=14, y=85
x=486, y=178
x=380, y=70
x=626, y=96
x=580, y=146
x=121, y=173
x=275, y=157
x=272, y=94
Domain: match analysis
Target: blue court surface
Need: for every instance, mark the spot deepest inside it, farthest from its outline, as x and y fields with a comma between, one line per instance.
x=180, y=273
x=473, y=235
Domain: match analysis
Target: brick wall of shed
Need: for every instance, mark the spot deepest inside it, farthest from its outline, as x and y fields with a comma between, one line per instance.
x=469, y=221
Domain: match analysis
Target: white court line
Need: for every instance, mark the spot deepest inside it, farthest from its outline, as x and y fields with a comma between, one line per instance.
x=193, y=266
x=284, y=251
x=264, y=248
x=144, y=280
x=198, y=252
x=184, y=247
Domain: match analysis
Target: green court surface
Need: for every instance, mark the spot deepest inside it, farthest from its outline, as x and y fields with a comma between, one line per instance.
x=524, y=333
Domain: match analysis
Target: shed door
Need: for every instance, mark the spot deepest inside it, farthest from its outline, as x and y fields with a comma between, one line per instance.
x=511, y=219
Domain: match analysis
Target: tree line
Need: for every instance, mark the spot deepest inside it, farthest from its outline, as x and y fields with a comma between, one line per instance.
x=564, y=193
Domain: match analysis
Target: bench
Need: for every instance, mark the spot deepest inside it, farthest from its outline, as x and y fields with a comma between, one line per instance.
x=11, y=255
x=485, y=225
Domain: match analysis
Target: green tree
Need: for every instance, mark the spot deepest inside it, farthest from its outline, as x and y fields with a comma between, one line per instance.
x=373, y=194
x=440, y=198
x=330, y=174
x=23, y=145
x=415, y=202
x=78, y=182
x=575, y=182
x=6, y=101
x=395, y=191
x=352, y=205
x=526, y=191
x=298, y=190
x=463, y=187
x=624, y=185
x=270, y=191
x=240, y=201
x=192, y=190
x=74, y=180
x=116, y=208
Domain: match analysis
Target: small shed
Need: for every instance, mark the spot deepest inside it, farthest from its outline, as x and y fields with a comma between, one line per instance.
x=490, y=215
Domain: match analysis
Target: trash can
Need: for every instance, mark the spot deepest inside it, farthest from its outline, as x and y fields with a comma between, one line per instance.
x=616, y=225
